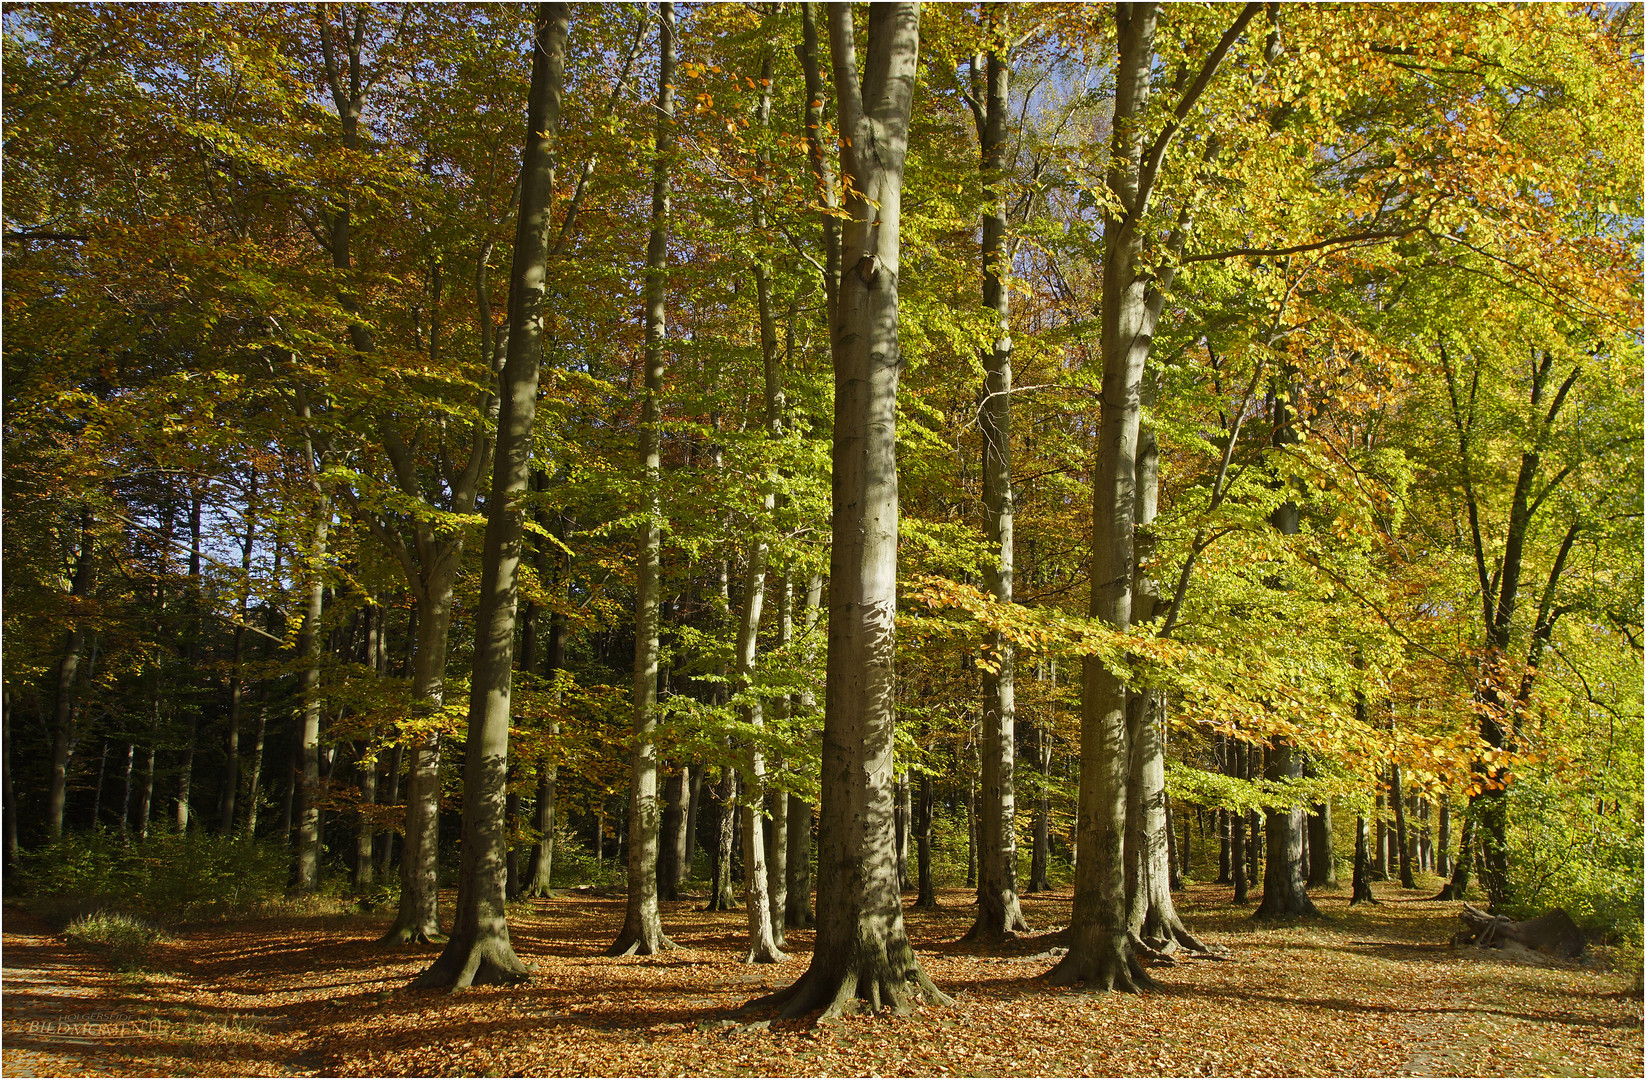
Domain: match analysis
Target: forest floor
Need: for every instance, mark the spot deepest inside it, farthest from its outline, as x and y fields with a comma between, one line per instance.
x=1372, y=991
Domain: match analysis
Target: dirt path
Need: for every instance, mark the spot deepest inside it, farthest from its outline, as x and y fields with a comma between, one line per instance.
x=61, y=1012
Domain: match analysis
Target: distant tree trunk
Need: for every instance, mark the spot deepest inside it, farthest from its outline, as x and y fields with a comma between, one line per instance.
x=863, y=952
x=479, y=950
x=800, y=914
x=927, y=896
x=1380, y=862
x=1458, y=887
x=1224, y=843
x=1403, y=850
x=1322, y=860
x=693, y=802
x=901, y=827
x=542, y=863
x=68, y=667
x=971, y=834
x=310, y=646
x=721, y=897
x=1443, y=839
x=777, y=861
x=231, y=773
x=511, y=829
x=1363, y=865
x=1040, y=859
x=14, y=857
x=671, y=859
x=366, y=774
x=145, y=797
x=1284, y=895
x=1240, y=768
x=642, y=932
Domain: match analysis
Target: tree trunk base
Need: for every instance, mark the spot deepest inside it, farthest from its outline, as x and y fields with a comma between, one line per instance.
x=768, y=953
x=407, y=934
x=1107, y=964
x=854, y=992
x=488, y=961
x=996, y=926
x=641, y=940
x=1298, y=907
x=1449, y=892
x=1167, y=937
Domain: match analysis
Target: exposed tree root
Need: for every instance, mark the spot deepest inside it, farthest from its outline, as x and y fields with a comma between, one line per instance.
x=996, y=927
x=636, y=944
x=1106, y=965
x=851, y=993
x=773, y=955
x=486, y=962
x=409, y=935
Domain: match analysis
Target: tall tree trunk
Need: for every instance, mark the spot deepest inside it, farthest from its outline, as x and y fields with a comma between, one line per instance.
x=479, y=950
x=68, y=667
x=1100, y=951
x=863, y=952
x=758, y=899
x=1151, y=915
x=310, y=643
x=642, y=932
x=998, y=911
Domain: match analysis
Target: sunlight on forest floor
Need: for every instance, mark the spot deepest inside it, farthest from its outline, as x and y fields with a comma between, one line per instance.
x=1369, y=992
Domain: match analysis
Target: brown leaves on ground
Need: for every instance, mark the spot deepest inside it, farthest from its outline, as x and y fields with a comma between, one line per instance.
x=1370, y=992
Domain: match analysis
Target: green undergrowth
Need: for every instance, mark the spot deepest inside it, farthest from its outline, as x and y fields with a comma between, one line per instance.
x=161, y=881
x=125, y=939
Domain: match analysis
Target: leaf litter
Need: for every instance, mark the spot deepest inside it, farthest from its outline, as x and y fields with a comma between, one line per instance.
x=1369, y=991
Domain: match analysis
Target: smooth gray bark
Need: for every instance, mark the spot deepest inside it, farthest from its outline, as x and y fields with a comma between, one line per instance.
x=1100, y=953
x=863, y=955
x=998, y=911
x=479, y=950
x=642, y=932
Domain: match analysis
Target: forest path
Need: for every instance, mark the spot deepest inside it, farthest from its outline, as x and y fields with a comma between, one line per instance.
x=60, y=1013
x=69, y=1012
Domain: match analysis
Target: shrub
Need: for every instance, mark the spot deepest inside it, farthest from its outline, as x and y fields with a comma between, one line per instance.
x=166, y=876
x=125, y=938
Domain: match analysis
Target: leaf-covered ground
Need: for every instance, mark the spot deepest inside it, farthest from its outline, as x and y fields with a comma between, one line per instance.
x=1368, y=992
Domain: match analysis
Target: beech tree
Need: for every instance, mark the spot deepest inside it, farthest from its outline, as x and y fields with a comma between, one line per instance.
x=479, y=950
x=642, y=932
x=863, y=954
